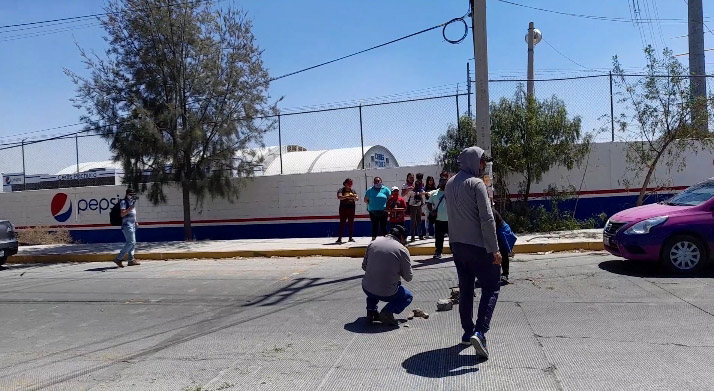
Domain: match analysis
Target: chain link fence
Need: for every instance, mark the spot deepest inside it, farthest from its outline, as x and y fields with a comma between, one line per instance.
x=373, y=134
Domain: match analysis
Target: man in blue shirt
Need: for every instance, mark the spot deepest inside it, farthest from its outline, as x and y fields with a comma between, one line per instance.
x=128, y=228
x=376, y=200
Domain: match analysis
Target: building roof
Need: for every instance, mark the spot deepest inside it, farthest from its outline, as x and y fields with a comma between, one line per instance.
x=342, y=159
x=89, y=166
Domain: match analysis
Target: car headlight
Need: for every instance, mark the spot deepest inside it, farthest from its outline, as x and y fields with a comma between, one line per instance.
x=644, y=227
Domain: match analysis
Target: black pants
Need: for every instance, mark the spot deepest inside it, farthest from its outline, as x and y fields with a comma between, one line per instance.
x=473, y=263
x=379, y=223
x=503, y=249
x=347, y=216
x=441, y=228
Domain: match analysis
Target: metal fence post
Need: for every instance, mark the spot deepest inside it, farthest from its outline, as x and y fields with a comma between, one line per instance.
x=361, y=134
x=280, y=146
x=24, y=183
x=612, y=110
x=76, y=147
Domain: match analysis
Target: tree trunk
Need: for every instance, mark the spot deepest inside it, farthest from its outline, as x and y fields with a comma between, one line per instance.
x=650, y=171
x=187, y=236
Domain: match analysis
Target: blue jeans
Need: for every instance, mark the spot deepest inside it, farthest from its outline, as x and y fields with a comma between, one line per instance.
x=473, y=262
x=129, y=232
x=396, y=303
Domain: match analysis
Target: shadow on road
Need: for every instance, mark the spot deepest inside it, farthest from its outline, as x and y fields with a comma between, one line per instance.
x=647, y=269
x=361, y=326
x=102, y=269
x=444, y=362
x=430, y=261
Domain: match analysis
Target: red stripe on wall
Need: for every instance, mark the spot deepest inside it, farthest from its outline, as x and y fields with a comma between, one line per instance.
x=612, y=191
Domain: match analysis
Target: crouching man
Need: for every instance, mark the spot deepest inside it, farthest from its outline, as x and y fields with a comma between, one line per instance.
x=385, y=263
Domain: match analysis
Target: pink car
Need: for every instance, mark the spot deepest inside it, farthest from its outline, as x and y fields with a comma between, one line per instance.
x=678, y=232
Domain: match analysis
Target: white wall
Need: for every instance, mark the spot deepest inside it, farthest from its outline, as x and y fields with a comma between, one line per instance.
x=314, y=194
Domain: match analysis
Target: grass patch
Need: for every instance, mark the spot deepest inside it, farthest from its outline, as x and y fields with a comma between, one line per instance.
x=43, y=235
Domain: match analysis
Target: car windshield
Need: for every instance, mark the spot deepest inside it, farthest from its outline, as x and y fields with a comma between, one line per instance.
x=695, y=195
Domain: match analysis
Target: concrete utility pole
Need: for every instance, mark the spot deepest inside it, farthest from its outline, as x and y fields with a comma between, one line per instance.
x=696, y=62
x=532, y=38
x=483, y=120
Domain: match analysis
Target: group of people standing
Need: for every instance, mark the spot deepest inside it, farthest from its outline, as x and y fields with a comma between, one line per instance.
x=479, y=239
x=423, y=201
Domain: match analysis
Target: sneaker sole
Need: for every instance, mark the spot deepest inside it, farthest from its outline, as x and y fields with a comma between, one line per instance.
x=466, y=343
x=478, y=346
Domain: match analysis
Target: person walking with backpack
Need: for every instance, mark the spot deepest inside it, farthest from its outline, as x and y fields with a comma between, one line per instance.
x=127, y=211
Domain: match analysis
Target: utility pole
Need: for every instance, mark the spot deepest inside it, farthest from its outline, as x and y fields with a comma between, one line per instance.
x=532, y=38
x=483, y=120
x=468, y=87
x=697, y=67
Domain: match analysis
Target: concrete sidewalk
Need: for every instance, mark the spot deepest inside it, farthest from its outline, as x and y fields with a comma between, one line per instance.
x=301, y=247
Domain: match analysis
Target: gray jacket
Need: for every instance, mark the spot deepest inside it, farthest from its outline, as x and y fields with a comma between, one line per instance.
x=385, y=263
x=469, y=208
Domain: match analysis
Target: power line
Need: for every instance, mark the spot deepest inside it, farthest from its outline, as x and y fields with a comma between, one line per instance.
x=566, y=57
x=48, y=32
x=99, y=15
x=379, y=46
x=593, y=17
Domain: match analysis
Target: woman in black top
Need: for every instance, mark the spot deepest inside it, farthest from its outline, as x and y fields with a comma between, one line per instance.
x=347, y=198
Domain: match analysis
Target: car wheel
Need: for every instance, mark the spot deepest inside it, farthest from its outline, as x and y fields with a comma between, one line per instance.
x=684, y=254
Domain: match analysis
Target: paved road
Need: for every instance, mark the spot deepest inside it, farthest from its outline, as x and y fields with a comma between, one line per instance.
x=568, y=322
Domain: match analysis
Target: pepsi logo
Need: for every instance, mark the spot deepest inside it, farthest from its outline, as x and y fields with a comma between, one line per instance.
x=61, y=207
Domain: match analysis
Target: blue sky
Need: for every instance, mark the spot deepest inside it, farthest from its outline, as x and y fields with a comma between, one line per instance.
x=35, y=92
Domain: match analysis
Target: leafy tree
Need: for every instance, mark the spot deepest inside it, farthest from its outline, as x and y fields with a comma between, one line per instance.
x=456, y=139
x=528, y=137
x=660, y=108
x=531, y=136
x=178, y=93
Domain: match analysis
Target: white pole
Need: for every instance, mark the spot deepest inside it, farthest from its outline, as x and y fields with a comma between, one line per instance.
x=483, y=121
x=531, y=44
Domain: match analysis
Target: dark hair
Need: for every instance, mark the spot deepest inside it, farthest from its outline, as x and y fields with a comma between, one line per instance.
x=420, y=176
x=498, y=218
x=408, y=174
x=348, y=180
x=130, y=191
x=377, y=177
x=444, y=174
x=398, y=231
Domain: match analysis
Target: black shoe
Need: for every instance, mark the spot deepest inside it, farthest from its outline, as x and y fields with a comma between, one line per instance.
x=387, y=318
x=504, y=280
x=372, y=316
x=339, y=241
x=351, y=240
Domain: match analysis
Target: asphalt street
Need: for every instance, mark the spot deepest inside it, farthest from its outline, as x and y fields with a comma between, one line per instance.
x=569, y=321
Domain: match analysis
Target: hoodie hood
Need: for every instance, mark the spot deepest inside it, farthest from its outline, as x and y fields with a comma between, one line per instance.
x=470, y=160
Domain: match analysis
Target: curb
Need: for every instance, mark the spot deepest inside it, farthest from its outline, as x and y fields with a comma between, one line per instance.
x=351, y=252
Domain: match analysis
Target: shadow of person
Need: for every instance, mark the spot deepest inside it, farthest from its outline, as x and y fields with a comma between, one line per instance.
x=362, y=326
x=444, y=362
x=102, y=269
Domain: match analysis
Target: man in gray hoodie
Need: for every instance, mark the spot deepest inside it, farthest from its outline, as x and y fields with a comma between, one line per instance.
x=473, y=240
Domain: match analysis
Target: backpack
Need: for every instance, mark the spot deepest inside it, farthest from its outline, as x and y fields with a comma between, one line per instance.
x=115, y=214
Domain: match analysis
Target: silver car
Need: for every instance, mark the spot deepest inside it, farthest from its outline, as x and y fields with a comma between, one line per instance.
x=8, y=241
